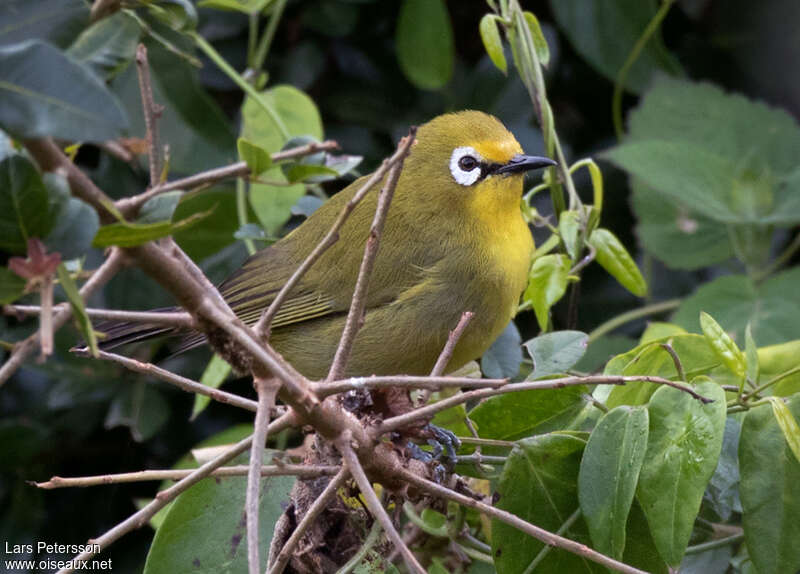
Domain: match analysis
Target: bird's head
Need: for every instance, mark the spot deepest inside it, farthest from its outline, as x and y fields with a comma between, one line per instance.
x=469, y=158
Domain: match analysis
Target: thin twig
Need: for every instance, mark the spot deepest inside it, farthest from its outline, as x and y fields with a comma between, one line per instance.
x=571, y=519
x=266, y=388
x=374, y=505
x=129, y=205
x=180, y=319
x=308, y=519
x=265, y=321
x=301, y=470
x=152, y=112
x=140, y=518
x=183, y=383
x=428, y=411
x=447, y=353
x=46, y=327
x=24, y=349
x=355, y=317
x=549, y=538
x=675, y=359
x=411, y=381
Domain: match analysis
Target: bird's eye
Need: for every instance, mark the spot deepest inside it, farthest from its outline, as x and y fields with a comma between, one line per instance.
x=465, y=165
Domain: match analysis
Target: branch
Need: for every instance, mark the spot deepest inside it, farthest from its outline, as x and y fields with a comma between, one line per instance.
x=265, y=321
x=311, y=515
x=25, y=348
x=152, y=112
x=374, y=505
x=355, y=317
x=182, y=383
x=267, y=389
x=140, y=518
x=180, y=320
x=539, y=533
x=301, y=470
x=428, y=411
x=411, y=381
x=447, y=353
x=132, y=204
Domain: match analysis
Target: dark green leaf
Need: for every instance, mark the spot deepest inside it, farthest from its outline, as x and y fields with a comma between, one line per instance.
x=424, y=41
x=503, y=358
x=75, y=226
x=78, y=308
x=554, y=353
x=601, y=350
x=770, y=491
x=539, y=484
x=722, y=493
x=25, y=206
x=608, y=475
x=54, y=21
x=11, y=286
x=133, y=234
x=604, y=34
x=141, y=408
x=159, y=208
x=734, y=301
x=684, y=445
x=217, y=229
x=62, y=99
x=546, y=285
x=107, y=45
x=490, y=35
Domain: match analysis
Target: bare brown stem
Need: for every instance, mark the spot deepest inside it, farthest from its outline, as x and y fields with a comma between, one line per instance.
x=266, y=389
x=447, y=353
x=355, y=317
x=308, y=519
x=675, y=360
x=24, y=349
x=265, y=321
x=411, y=381
x=301, y=470
x=545, y=536
x=152, y=112
x=180, y=319
x=374, y=505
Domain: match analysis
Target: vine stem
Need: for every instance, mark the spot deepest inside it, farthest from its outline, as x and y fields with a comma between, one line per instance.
x=619, y=320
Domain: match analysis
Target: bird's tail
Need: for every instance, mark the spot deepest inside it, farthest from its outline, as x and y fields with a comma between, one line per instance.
x=114, y=333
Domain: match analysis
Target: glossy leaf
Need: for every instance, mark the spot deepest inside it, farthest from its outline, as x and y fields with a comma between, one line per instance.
x=615, y=259
x=25, y=205
x=724, y=347
x=770, y=491
x=78, y=308
x=492, y=43
x=684, y=444
x=107, y=45
x=133, y=234
x=75, y=226
x=424, y=42
x=780, y=360
x=608, y=475
x=63, y=99
x=539, y=484
x=656, y=330
x=547, y=284
x=555, y=352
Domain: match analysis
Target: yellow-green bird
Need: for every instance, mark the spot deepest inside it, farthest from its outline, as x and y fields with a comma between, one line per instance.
x=454, y=241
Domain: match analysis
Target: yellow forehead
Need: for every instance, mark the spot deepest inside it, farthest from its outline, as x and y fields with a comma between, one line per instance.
x=498, y=151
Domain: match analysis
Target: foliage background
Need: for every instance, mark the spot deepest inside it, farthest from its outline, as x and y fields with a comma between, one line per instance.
x=66, y=418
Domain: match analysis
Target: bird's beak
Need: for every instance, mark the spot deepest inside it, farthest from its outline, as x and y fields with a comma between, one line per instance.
x=522, y=163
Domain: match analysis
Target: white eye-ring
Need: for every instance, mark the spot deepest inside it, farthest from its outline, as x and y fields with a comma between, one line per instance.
x=465, y=165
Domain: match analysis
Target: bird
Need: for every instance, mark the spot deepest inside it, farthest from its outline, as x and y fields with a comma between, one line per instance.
x=454, y=240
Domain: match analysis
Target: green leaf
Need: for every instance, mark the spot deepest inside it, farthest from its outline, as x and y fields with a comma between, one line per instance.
x=62, y=100
x=212, y=511
x=684, y=444
x=609, y=471
x=108, y=45
x=734, y=301
x=78, y=308
x=504, y=357
x=490, y=36
x=539, y=42
x=12, y=286
x=539, y=484
x=133, y=234
x=555, y=352
x=776, y=360
x=272, y=204
x=517, y=415
x=54, y=21
x=26, y=210
x=658, y=330
x=213, y=376
x=789, y=427
x=569, y=226
x=724, y=347
x=217, y=229
x=424, y=42
x=311, y=173
x=256, y=157
x=770, y=491
x=76, y=224
x=547, y=284
x=141, y=408
x=604, y=34
x=614, y=258
x=160, y=208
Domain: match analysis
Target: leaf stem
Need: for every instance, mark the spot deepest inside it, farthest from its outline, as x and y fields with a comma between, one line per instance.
x=619, y=320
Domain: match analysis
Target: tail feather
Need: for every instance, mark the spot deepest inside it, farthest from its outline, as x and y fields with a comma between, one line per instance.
x=118, y=333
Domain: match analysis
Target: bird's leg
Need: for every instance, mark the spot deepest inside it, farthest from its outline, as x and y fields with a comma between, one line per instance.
x=443, y=439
